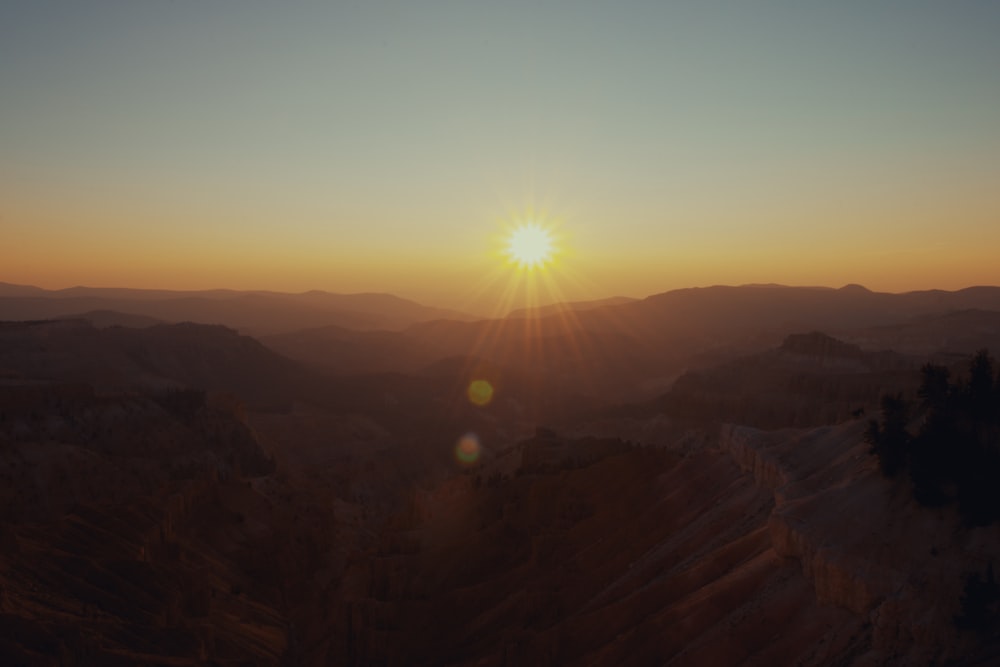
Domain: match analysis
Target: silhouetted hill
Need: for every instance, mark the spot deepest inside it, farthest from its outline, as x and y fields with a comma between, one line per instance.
x=349, y=351
x=600, y=363
x=954, y=334
x=568, y=307
x=818, y=344
x=102, y=319
x=207, y=357
x=251, y=312
x=630, y=350
x=11, y=290
x=424, y=412
x=723, y=311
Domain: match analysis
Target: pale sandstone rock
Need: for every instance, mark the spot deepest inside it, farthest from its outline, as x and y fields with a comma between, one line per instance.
x=864, y=544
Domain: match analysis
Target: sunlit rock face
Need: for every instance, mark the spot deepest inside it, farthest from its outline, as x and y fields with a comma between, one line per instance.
x=862, y=542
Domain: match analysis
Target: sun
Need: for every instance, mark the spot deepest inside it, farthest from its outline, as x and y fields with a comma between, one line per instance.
x=530, y=245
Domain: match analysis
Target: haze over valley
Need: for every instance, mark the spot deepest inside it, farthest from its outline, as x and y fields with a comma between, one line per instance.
x=340, y=495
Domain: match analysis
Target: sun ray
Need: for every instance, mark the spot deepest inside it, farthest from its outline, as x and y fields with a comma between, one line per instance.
x=531, y=274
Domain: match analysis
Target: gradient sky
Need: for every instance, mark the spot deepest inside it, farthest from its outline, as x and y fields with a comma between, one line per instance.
x=384, y=146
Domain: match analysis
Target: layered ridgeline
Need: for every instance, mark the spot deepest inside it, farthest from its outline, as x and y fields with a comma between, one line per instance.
x=252, y=312
x=655, y=493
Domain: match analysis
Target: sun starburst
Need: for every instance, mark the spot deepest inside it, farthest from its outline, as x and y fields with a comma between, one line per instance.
x=530, y=245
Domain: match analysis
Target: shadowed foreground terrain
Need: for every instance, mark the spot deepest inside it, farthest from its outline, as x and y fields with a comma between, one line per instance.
x=179, y=494
x=639, y=557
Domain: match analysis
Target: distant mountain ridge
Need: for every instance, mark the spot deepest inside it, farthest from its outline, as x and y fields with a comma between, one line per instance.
x=568, y=307
x=637, y=348
x=253, y=312
x=633, y=350
x=103, y=319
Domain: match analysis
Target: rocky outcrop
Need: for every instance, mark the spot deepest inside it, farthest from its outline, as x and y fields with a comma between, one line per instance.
x=743, y=444
x=860, y=539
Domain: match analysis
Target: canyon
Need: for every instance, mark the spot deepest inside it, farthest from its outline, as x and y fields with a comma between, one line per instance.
x=179, y=494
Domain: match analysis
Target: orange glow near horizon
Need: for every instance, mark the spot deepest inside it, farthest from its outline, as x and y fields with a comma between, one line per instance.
x=492, y=285
x=472, y=271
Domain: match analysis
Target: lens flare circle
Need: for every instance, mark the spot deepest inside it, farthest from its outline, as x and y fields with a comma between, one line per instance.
x=530, y=245
x=467, y=449
x=480, y=392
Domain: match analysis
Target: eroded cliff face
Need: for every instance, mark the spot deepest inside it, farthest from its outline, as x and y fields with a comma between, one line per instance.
x=862, y=542
x=142, y=529
x=612, y=554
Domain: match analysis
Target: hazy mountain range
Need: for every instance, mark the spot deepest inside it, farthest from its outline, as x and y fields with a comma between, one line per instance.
x=173, y=492
x=254, y=312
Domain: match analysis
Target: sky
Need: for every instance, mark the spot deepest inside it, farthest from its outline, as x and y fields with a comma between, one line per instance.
x=389, y=146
